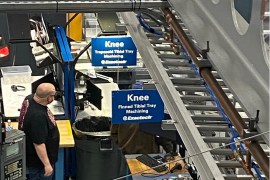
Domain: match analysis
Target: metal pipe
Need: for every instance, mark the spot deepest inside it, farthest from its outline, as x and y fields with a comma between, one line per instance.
x=248, y=161
x=171, y=20
x=237, y=121
x=259, y=155
x=226, y=104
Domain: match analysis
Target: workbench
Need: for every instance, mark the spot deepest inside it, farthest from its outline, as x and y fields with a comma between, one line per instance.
x=12, y=101
x=140, y=171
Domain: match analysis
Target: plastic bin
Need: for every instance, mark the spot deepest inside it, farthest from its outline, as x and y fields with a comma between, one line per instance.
x=97, y=156
x=16, y=74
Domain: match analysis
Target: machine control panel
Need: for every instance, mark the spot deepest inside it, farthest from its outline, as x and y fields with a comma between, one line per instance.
x=13, y=170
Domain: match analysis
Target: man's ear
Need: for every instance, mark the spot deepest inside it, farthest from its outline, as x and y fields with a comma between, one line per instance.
x=48, y=98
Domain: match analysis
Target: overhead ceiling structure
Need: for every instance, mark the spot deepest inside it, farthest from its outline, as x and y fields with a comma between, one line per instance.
x=235, y=56
x=79, y=6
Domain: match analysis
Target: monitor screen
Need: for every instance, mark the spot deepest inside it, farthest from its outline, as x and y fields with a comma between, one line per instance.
x=49, y=78
x=21, y=21
x=12, y=150
x=94, y=95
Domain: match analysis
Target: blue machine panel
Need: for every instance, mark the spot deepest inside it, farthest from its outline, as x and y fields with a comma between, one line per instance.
x=136, y=106
x=113, y=51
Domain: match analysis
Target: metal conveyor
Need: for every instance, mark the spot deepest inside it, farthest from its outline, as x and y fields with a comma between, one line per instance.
x=194, y=114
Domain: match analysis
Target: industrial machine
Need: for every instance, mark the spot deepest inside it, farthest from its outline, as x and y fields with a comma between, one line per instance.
x=12, y=156
x=12, y=143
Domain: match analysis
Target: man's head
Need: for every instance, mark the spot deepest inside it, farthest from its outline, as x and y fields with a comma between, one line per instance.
x=45, y=93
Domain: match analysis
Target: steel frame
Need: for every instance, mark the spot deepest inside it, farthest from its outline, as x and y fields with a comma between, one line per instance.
x=78, y=6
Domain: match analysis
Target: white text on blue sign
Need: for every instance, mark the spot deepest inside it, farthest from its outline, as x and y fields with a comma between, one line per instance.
x=111, y=51
x=136, y=107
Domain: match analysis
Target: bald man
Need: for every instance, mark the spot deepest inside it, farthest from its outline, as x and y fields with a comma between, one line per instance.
x=42, y=135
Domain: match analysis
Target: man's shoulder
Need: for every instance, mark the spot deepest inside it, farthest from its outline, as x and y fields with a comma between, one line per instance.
x=29, y=97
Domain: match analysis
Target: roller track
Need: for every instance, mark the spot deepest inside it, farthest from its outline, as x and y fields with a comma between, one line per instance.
x=194, y=114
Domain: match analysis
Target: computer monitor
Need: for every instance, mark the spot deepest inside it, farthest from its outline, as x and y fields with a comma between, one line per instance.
x=21, y=21
x=93, y=94
x=49, y=78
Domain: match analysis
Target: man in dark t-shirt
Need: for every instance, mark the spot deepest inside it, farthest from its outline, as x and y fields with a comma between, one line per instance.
x=42, y=135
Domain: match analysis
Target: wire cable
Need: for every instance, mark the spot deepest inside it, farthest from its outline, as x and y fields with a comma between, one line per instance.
x=196, y=154
x=146, y=26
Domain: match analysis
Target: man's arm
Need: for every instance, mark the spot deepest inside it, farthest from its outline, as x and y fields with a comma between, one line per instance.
x=42, y=154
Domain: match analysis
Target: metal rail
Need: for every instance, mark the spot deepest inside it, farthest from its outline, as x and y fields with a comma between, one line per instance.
x=79, y=6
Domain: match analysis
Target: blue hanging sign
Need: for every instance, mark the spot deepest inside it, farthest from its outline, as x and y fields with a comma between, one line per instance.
x=136, y=106
x=113, y=51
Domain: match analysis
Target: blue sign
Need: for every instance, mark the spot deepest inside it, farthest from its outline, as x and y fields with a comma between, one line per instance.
x=136, y=106
x=113, y=51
